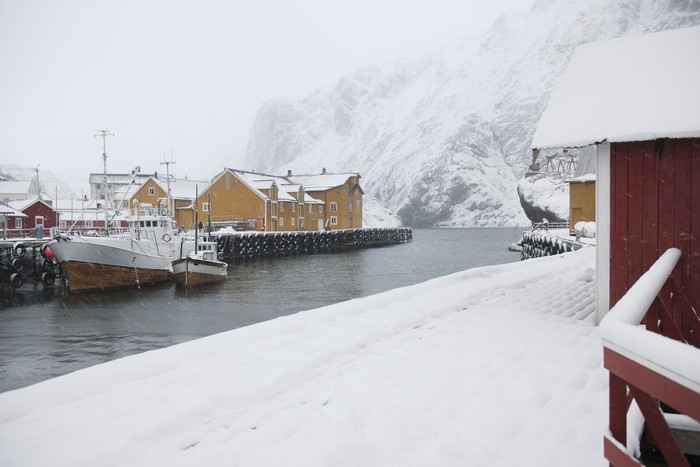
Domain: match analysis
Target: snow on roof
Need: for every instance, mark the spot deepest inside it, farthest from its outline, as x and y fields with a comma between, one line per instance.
x=320, y=182
x=182, y=188
x=15, y=187
x=629, y=89
x=9, y=211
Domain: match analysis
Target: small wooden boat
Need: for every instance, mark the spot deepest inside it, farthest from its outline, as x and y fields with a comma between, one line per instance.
x=200, y=266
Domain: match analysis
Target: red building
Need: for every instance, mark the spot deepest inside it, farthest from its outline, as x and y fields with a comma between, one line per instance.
x=38, y=212
x=637, y=100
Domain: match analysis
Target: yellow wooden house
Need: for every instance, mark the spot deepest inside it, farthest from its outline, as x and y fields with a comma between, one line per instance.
x=253, y=201
x=341, y=194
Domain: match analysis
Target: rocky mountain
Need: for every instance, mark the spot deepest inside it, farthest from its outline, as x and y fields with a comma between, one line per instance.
x=443, y=140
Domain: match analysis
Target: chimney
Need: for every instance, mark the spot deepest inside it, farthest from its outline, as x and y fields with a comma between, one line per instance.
x=289, y=173
x=324, y=171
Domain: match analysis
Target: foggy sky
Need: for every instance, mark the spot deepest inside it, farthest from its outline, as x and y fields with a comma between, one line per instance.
x=187, y=77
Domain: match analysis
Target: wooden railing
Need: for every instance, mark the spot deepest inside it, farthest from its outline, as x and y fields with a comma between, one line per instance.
x=654, y=366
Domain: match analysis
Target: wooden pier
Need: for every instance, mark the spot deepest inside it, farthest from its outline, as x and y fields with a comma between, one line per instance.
x=251, y=245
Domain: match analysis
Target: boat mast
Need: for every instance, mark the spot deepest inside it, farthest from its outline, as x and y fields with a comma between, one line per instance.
x=107, y=193
x=196, y=217
x=167, y=163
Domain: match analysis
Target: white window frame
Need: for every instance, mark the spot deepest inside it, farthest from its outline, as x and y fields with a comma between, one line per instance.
x=334, y=207
x=294, y=207
x=88, y=224
x=151, y=191
x=334, y=220
x=292, y=220
x=39, y=220
x=206, y=207
x=18, y=222
x=320, y=209
x=62, y=224
x=281, y=221
x=281, y=206
x=357, y=205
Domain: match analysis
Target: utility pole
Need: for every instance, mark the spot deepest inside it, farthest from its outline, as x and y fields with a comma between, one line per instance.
x=167, y=163
x=108, y=195
x=38, y=185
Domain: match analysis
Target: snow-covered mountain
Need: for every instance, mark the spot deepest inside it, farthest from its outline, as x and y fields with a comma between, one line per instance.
x=51, y=185
x=442, y=140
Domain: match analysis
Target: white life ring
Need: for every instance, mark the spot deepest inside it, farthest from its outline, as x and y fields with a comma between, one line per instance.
x=166, y=238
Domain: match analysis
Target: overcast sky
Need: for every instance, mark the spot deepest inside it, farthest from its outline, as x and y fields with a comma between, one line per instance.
x=187, y=77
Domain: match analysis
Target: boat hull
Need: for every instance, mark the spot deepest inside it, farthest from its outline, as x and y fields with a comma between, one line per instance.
x=106, y=264
x=89, y=277
x=190, y=272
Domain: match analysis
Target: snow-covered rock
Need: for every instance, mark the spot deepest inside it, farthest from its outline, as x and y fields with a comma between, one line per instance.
x=444, y=139
x=544, y=196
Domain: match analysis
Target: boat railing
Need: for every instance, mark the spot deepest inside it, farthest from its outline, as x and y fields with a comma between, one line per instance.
x=652, y=367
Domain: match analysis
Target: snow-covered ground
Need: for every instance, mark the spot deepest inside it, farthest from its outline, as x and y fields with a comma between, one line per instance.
x=500, y=365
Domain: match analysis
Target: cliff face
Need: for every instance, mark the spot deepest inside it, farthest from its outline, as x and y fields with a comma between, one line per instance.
x=443, y=140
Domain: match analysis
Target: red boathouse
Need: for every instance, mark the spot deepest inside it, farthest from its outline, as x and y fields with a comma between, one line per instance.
x=637, y=100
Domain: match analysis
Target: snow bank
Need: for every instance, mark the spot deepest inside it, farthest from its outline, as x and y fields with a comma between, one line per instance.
x=499, y=365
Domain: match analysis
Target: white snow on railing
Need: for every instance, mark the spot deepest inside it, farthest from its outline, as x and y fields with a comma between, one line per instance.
x=621, y=332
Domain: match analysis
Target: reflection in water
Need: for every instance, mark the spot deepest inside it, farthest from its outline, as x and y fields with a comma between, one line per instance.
x=47, y=333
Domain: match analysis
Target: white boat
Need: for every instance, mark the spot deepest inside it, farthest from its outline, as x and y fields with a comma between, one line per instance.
x=103, y=263
x=199, y=266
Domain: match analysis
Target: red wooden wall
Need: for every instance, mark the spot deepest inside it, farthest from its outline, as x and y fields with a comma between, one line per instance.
x=655, y=205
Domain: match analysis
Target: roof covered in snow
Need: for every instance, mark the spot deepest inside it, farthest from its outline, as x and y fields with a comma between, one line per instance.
x=320, y=182
x=15, y=187
x=9, y=211
x=629, y=89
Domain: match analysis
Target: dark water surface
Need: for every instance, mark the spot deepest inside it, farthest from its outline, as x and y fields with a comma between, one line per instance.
x=44, y=334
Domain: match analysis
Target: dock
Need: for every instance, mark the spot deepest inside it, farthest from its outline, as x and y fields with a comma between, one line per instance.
x=250, y=245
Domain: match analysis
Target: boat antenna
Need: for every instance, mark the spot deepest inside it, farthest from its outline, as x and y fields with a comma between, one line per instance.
x=107, y=193
x=167, y=173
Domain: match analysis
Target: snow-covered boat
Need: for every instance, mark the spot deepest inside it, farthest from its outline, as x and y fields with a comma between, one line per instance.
x=103, y=263
x=200, y=266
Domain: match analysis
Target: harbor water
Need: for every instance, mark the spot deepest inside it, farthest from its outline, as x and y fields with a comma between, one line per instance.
x=48, y=333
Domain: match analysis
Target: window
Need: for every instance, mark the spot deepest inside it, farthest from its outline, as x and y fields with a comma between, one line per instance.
x=18, y=222
x=39, y=220
x=292, y=222
x=205, y=207
x=320, y=209
x=334, y=207
x=62, y=224
x=281, y=221
x=357, y=206
x=294, y=207
x=282, y=206
x=334, y=220
x=151, y=190
x=88, y=224
x=350, y=207
x=311, y=208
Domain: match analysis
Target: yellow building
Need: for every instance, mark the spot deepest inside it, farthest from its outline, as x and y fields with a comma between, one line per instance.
x=254, y=201
x=341, y=194
x=155, y=191
x=581, y=201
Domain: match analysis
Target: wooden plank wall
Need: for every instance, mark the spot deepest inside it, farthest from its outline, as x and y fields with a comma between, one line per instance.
x=653, y=207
